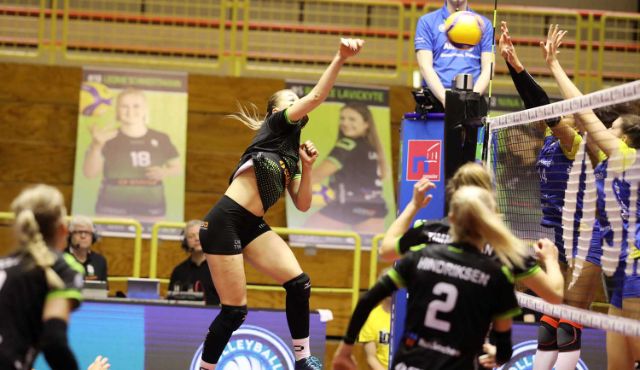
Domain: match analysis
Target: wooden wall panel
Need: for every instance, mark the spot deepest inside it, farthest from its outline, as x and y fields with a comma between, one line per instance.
x=39, y=122
x=30, y=162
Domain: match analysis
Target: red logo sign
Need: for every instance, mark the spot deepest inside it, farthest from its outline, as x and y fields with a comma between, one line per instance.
x=424, y=159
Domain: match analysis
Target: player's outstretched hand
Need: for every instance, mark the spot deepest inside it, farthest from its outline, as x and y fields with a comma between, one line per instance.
x=349, y=47
x=308, y=154
x=507, y=50
x=488, y=360
x=420, y=197
x=343, y=358
x=100, y=363
x=551, y=46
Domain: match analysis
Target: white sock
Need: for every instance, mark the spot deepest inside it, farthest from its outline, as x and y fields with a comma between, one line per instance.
x=567, y=360
x=301, y=348
x=206, y=366
x=544, y=360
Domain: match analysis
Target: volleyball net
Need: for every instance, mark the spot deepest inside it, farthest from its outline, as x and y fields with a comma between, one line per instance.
x=568, y=171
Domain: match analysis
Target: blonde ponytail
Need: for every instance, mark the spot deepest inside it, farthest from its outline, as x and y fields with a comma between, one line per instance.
x=249, y=116
x=474, y=220
x=39, y=210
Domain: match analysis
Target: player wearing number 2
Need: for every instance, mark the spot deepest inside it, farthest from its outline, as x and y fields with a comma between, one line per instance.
x=455, y=292
x=133, y=159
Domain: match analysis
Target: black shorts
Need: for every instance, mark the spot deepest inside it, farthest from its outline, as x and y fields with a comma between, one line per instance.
x=354, y=213
x=228, y=228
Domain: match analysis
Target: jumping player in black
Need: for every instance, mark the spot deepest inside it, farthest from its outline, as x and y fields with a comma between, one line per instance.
x=39, y=286
x=455, y=292
x=234, y=229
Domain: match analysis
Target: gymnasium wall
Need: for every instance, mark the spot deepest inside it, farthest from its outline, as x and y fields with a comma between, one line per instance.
x=38, y=121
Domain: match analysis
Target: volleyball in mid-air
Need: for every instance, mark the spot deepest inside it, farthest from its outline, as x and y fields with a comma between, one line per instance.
x=95, y=99
x=464, y=29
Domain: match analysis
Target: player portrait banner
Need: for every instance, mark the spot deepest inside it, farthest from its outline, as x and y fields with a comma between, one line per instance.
x=352, y=180
x=130, y=151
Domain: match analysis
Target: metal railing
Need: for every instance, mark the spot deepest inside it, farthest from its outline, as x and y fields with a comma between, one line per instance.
x=373, y=259
x=274, y=37
x=354, y=290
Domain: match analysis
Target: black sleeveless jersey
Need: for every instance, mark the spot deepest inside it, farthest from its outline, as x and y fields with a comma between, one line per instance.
x=274, y=152
x=23, y=293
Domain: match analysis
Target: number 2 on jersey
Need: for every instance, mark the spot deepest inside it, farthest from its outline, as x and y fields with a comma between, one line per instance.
x=447, y=305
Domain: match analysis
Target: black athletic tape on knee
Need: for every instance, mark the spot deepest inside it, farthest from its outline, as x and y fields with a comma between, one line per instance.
x=547, y=339
x=569, y=337
x=299, y=287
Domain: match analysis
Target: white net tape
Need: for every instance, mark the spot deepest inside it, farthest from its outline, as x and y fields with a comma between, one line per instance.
x=598, y=99
x=587, y=318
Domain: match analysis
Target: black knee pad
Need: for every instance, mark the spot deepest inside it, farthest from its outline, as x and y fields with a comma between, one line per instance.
x=569, y=337
x=231, y=317
x=228, y=320
x=299, y=287
x=547, y=337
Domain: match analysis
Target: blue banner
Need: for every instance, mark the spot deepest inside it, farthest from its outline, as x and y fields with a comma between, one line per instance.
x=158, y=336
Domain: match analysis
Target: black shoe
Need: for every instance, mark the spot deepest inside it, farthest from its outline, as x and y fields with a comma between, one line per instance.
x=309, y=363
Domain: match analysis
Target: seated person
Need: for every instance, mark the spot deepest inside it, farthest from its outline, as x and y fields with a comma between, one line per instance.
x=193, y=274
x=440, y=61
x=375, y=334
x=82, y=236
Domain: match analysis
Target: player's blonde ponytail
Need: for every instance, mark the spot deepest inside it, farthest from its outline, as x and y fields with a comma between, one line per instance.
x=250, y=116
x=474, y=220
x=39, y=211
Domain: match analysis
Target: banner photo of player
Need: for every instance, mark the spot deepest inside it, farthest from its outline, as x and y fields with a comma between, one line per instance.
x=131, y=147
x=352, y=180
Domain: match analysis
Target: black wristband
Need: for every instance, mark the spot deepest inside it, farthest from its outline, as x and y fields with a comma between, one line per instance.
x=503, y=345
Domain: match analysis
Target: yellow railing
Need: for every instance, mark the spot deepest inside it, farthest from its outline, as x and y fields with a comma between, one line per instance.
x=373, y=259
x=137, y=241
x=153, y=252
x=296, y=38
x=357, y=256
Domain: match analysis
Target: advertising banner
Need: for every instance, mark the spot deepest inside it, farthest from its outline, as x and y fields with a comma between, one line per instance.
x=352, y=179
x=170, y=336
x=130, y=153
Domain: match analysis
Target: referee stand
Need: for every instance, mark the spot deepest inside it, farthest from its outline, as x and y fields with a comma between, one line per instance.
x=435, y=142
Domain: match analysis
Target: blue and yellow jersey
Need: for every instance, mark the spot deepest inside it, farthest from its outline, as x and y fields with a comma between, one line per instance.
x=553, y=166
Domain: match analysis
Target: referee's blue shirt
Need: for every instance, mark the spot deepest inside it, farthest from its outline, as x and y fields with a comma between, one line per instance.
x=449, y=61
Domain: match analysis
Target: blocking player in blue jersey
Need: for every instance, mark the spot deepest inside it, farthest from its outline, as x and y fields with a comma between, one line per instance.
x=618, y=153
